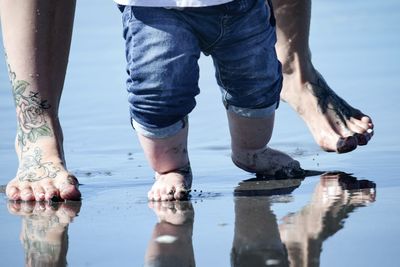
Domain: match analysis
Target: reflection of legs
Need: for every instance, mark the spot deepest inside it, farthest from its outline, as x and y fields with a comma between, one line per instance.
x=256, y=240
x=171, y=243
x=330, y=119
x=45, y=231
x=334, y=199
x=169, y=158
x=37, y=37
x=250, y=137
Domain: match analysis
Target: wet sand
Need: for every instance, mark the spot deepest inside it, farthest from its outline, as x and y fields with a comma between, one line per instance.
x=232, y=218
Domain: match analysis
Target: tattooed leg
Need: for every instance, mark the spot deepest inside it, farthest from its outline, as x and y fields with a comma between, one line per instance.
x=36, y=37
x=334, y=124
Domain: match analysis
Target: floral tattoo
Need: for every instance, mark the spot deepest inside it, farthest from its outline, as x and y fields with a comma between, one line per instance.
x=30, y=112
x=33, y=169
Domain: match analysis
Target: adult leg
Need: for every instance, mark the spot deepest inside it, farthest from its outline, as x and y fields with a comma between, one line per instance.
x=37, y=36
x=335, y=125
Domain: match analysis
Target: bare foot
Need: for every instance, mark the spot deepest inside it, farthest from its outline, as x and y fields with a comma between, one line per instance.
x=267, y=162
x=173, y=185
x=44, y=233
x=335, y=125
x=42, y=177
x=41, y=174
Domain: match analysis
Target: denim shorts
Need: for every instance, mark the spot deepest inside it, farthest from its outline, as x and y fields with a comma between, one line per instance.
x=163, y=46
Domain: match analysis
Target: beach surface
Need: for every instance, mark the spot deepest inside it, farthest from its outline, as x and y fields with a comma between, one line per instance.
x=348, y=217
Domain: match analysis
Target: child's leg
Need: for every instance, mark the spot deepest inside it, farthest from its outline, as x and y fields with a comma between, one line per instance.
x=169, y=159
x=162, y=54
x=37, y=36
x=250, y=137
x=250, y=77
x=335, y=125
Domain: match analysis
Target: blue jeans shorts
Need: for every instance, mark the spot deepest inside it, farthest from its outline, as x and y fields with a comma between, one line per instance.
x=163, y=46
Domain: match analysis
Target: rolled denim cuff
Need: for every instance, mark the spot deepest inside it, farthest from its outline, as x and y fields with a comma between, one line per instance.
x=253, y=113
x=159, y=133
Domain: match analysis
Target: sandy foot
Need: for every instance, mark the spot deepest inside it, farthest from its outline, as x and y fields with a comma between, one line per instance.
x=174, y=185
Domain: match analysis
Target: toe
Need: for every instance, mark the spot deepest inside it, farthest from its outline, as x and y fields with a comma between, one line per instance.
x=69, y=188
x=27, y=194
x=363, y=138
x=70, y=192
x=181, y=193
x=38, y=192
x=156, y=195
x=168, y=193
x=346, y=144
x=13, y=192
x=50, y=192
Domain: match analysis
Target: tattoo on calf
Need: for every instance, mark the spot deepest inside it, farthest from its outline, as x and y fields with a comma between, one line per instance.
x=30, y=112
x=33, y=169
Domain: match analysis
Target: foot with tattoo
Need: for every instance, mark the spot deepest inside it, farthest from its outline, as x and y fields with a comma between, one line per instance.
x=335, y=125
x=42, y=174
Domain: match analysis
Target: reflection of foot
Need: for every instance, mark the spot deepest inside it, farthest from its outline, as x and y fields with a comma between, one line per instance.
x=42, y=174
x=171, y=242
x=335, y=197
x=335, y=125
x=44, y=230
x=266, y=187
x=174, y=185
x=176, y=213
x=268, y=162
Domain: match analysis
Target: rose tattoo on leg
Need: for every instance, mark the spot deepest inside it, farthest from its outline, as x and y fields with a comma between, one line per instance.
x=30, y=112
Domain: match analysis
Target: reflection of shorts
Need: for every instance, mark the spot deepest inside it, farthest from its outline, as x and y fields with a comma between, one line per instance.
x=163, y=47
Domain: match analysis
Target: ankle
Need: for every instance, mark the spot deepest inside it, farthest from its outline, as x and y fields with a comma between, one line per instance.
x=183, y=169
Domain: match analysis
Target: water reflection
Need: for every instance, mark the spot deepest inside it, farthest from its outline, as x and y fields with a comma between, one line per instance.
x=171, y=242
x=259, y=241
x=44, y=233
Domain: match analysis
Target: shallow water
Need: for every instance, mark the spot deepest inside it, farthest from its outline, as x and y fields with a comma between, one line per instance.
x=328, y=221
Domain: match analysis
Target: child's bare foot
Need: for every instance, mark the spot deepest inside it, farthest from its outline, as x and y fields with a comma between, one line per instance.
x=44, y=230
x=268, y=162
x=335, y=125
x=173, y=185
